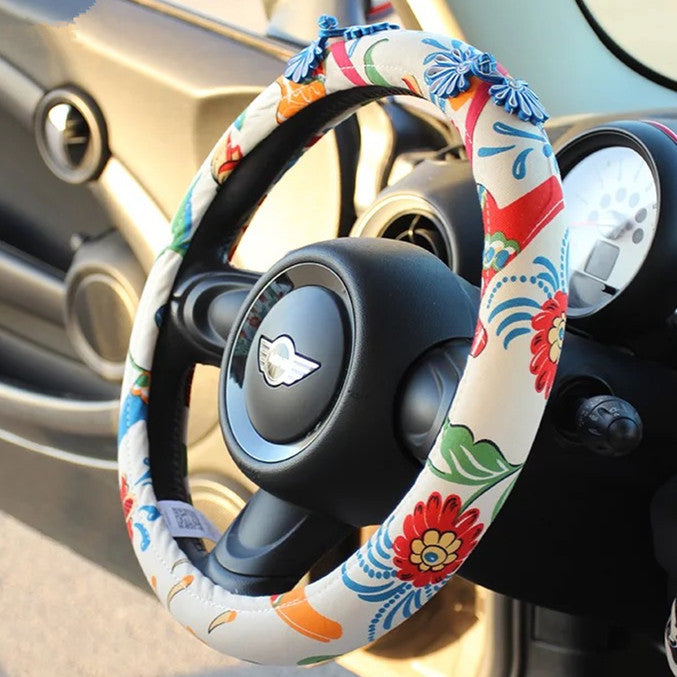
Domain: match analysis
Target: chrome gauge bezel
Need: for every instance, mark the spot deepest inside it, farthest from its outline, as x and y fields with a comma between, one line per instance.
x=651, y=295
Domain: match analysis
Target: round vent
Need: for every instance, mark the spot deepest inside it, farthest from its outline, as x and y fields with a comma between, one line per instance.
x=408, y=218
x=420, y=230
x=70, y=134
x=102, y=291
x=68, y=127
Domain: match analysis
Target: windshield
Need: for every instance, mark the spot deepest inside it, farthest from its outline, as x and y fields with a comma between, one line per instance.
x=643, y=29
x=251, y=16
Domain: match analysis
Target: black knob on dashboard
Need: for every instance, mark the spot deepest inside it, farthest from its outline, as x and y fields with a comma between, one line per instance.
x=607, y=425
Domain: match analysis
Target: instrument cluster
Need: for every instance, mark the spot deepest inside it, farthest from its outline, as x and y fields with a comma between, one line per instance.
x=619, y=179
x=620, y=187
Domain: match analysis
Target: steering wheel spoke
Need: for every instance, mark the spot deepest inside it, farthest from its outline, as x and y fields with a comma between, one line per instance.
x=203, y=309
x=270, y=545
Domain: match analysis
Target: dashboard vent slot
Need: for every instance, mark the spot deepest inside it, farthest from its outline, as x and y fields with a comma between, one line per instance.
x=421, y=230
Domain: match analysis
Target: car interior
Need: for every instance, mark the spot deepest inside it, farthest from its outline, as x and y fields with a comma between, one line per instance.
x=316, y=267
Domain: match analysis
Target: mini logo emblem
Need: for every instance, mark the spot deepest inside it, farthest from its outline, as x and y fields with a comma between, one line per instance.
x=280, y=364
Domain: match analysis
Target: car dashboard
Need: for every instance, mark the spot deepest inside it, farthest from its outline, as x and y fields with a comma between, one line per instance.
x=619, y=177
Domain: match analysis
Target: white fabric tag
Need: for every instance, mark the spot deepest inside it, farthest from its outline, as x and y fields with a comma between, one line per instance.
x=186, y=521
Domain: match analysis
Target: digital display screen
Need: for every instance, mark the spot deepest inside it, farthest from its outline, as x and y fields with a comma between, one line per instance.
x=602, y=260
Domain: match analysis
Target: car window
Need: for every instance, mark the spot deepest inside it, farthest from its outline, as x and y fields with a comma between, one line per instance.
x=643, y=30
x=249, y=15
x=252, y=15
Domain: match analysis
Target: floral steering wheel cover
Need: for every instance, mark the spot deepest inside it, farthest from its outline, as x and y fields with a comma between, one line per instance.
x=497, y=409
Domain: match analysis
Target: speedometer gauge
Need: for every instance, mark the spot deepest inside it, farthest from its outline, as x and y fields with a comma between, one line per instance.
x=620, y=194
x=612, y=205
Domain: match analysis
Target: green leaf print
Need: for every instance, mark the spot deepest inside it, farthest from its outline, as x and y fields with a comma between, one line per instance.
x=478, y=464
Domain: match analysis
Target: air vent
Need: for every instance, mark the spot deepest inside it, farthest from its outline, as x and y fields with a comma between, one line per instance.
x=73, y=131
x=420, y=230
x=71, y=135
x=408, y=218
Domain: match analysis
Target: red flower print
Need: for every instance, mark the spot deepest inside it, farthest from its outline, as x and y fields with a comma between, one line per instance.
x=546, y=345
x=479, y=342
x=127, y=499
x=435, y=541
x=521, y=220
x=232, y=154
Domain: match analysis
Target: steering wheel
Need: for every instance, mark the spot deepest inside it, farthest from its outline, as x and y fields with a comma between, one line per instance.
x=320, y=356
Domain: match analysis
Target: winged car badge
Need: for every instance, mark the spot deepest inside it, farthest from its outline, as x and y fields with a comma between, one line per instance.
x=280, y=364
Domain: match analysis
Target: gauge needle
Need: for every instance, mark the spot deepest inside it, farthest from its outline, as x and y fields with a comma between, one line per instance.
x=614, y=230
x=602, y=226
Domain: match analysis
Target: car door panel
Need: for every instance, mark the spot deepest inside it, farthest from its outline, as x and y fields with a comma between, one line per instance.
x=166, y=86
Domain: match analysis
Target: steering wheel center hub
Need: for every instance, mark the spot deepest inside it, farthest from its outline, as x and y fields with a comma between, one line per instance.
x=286, y=362
x=295, y=363
x=314, y=369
